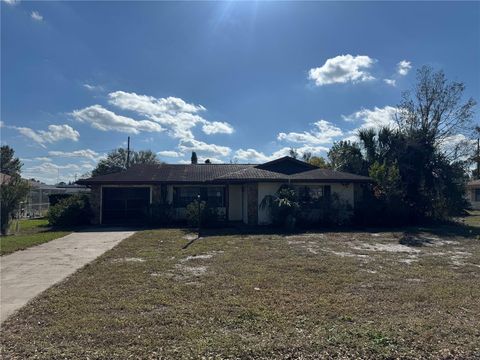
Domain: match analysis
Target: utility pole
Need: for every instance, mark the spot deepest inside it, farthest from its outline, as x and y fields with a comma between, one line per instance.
x=128, y=152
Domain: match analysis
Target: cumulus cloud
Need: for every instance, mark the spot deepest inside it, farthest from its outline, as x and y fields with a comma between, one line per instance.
x=169, y=153
x=217, y=127
x=85, y=153
x=391, y=82
x=255, y=156
x=323, y=132
x=188, y=145
x=103, y=119
x=375, y=118
x=343, y=69
x=35, y=15
x=403, y=67
x=175, y=114
x=49, y=172
x=53, y=134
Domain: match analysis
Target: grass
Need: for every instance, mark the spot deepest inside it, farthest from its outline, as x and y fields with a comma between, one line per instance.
x=30, y=233
x=473, y=219
x=262, y=296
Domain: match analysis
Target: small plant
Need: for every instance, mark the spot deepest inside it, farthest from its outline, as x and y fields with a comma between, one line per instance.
x=208, y=215
x=74, y=210
x=283, y=206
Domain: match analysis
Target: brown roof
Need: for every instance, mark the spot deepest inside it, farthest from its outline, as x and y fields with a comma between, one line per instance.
x=474, y=183
x=280, y=170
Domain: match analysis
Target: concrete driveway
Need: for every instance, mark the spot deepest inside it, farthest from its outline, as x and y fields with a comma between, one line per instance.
x=25, y=274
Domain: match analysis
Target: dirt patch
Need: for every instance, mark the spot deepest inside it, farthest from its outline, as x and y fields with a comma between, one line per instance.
x=128, y=260
x=191, y=270
x=395, y=248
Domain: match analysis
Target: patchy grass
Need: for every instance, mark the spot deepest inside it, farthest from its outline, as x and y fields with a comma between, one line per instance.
x=263, y=296
x=30, y=233
x=473, y=219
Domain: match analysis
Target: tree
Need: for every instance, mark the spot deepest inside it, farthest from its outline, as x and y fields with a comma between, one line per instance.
x=194, y=158
x=436, y=110
x=207, y=161
x=116, y=161
x=13, y=189
x=347, y=156
x=293, y=153
x=9, y=164
x=318, y=161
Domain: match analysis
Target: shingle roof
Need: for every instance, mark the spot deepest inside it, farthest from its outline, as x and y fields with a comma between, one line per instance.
x=474, y=183
x=215, y=173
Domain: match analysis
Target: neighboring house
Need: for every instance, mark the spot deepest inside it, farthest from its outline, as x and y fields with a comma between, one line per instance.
x=473, y=193
x=4, y=178
x=236, y=190
x=37, y=203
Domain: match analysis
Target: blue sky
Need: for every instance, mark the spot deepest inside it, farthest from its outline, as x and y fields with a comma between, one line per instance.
x=234, y=81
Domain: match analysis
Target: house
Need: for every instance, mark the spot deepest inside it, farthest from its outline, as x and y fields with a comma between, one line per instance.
x=236, y=190
x=473, y=193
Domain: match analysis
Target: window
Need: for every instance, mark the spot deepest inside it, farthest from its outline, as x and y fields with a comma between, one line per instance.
x=213, y=195
x=185, y=195
x=312, y=192
x=477, y=194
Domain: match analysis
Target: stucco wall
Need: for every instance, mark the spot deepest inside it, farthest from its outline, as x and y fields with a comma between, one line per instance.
x=95, y=203
x=471, y=198
x=235, y=202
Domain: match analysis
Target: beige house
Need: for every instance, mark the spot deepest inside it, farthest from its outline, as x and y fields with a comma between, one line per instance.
x=235, y=190
x=473, y=193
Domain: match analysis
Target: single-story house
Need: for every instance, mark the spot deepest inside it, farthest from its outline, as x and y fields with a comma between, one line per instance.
x=236, y=190
x=473, y=193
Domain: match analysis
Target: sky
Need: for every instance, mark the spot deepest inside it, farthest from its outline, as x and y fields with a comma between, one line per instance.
x=233, y=81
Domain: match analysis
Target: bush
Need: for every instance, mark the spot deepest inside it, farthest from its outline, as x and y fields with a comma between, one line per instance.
x=53, y=199
x=209, y=215
x=74, y=210
x=326, y=211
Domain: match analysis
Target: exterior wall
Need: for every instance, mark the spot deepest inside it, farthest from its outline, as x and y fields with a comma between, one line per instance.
x=235, y=202
x=471, y=197
x=96, y=203
x=244, y=204
x=252, y=203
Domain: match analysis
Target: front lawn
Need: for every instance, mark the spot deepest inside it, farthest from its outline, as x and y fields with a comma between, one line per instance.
x=351, y=294
x=30, y=233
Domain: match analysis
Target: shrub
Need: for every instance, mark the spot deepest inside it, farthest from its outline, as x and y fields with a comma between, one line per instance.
x=282, y=206
x=326, y=211
x=74, y=210
x=209, y=215
x=53, y=199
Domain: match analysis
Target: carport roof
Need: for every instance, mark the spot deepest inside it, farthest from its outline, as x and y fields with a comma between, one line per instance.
x=283, y=169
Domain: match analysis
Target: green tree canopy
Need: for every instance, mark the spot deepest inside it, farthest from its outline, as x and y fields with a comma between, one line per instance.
x=9, y=164
x=116, y=161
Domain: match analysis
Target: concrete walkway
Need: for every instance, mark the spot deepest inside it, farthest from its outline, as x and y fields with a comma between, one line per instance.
x=25, y=274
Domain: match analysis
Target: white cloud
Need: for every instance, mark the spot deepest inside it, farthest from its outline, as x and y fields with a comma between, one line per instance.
x=49, y=172
x=217, y=127
x=391, y=82
x=11, y=2
x=403, y=67
x=53, y=134
x=93, y=87
x=35, y=15
x=322, y=133
x=149, y=105
x=103, y=119
x=188, y=145
x=375, y=118
x=255, y=156
x=169, y=153
x=178, y=116
x=343, y=69
x=85, y=153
